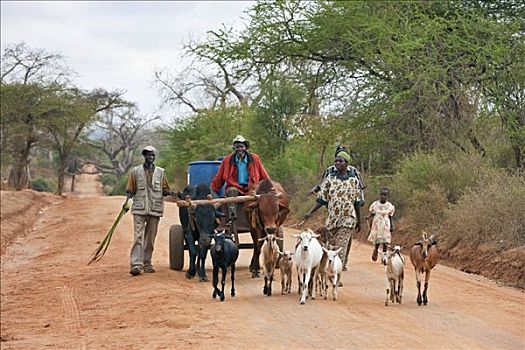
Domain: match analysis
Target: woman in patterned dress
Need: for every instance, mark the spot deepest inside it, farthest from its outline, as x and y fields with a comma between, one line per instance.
x=338, y=192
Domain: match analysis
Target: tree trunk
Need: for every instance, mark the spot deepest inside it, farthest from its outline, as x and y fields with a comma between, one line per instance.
x=19, y=177
x=61, y=172
x=518, y=157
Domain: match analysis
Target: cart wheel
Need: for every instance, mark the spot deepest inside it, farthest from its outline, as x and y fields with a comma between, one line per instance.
x=176, y=242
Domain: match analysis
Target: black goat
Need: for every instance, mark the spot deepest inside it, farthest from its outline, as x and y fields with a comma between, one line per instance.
x=224, y=254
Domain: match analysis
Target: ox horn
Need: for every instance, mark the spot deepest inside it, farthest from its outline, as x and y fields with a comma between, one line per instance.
x=295, y=235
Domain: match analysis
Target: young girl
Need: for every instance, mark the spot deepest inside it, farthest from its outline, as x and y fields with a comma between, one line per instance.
x=381, y=212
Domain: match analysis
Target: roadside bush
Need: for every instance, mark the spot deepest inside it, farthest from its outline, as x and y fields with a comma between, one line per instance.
x=108, y=180
x=43, y=185
x=119, y=189
x=436, y=173
x=489, y=214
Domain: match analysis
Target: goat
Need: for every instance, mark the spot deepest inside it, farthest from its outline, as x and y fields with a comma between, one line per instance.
x=308, y=256
x=224, y=254
x=285, y=265
x=395, y=272
x=333, y=269
x=321, y=271
x=424, y=257
x=270, y=251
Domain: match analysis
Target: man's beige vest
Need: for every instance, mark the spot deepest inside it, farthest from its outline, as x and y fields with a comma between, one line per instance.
x=148, y=199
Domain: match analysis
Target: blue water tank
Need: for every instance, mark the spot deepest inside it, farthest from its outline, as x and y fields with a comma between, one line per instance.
x=203, y=171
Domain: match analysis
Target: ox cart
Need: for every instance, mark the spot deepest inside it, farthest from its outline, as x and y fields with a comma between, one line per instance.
x=233, y=223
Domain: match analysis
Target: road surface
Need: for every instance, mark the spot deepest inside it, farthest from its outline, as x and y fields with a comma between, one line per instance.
x=51, y=298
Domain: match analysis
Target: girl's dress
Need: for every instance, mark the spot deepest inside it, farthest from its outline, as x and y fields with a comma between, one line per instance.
x=380, y=231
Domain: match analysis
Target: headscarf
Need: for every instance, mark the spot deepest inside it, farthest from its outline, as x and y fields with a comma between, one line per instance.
x=344, y=155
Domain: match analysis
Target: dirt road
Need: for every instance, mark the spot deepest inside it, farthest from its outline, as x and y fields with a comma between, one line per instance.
x=51, y=299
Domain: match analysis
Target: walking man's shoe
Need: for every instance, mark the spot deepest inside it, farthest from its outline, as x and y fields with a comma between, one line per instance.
x=374, y=255
x=135, y=270
x=149, y=269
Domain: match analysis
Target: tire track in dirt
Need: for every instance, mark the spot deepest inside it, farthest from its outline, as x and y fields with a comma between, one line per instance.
x=71, y=314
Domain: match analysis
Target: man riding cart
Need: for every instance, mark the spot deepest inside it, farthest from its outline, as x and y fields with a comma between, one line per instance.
x=239, y=174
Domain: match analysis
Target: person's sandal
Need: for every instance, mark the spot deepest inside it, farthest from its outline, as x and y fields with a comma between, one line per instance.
x=149, y=269
x=374, y=255
x=135, y=271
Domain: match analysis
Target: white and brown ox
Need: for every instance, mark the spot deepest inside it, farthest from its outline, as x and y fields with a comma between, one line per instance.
x=266, y=215
x=424, y=256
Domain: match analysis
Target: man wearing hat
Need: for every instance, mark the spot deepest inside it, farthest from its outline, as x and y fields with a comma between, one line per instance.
x=239, y=170
x=147, y=185
x=338, y=192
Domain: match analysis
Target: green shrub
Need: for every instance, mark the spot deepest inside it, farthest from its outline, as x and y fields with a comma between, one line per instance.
x=437, y=174
x=108, y=180
x=119, y=189
x=489, y=213
x=43, y=185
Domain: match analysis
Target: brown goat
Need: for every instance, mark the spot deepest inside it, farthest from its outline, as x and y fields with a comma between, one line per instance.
x=424, y=257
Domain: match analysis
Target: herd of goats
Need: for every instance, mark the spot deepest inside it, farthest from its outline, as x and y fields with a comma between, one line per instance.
x=317, y=264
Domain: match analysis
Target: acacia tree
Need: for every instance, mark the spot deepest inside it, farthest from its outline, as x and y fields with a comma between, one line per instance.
x=116, y=134
x=29, y=80
x=77, y=109
x=409, y=73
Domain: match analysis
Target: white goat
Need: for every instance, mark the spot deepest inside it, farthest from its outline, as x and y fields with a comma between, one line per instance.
x=285, y=265
x=394, y=271
x=333, y=269
x=270, y=252
x=308, y=256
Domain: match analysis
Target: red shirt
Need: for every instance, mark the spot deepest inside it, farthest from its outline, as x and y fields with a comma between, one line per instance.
x=227, y=173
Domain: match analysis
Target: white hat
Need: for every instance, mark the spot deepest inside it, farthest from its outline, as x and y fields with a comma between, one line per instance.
x=241, y=139
x=149, y=149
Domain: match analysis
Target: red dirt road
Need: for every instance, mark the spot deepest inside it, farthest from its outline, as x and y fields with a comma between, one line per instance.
x=51, y=299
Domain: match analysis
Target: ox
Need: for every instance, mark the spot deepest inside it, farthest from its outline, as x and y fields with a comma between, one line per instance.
x=424, y=257
x=266, y=215
x=198, y=224
x=224, y=254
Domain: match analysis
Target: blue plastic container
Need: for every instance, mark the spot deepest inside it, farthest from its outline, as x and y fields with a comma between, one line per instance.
x=203, y=171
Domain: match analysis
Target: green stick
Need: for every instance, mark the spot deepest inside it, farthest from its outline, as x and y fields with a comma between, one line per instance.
x=103, y=246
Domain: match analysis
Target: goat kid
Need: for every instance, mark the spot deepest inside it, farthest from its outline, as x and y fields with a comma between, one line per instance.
x=270, y=252
x=285, y=265
x=394, y=274
x=333, y=269
x=308, y=256
x=424, y=256
x=224, y=254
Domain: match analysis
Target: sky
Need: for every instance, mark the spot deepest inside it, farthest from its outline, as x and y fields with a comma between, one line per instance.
x=118, y=44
